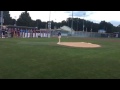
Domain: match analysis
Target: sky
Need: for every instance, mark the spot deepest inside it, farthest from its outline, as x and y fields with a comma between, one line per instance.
x=95, y=16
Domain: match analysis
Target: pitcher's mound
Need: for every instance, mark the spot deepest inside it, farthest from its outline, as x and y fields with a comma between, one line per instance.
x=79, y=44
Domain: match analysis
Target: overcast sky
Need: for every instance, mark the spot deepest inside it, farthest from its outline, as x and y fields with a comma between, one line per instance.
x=95, y=16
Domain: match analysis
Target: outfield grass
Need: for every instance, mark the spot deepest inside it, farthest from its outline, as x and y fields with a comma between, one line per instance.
x=42, y=58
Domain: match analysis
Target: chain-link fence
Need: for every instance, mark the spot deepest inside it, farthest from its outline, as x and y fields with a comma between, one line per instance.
x=85, y=34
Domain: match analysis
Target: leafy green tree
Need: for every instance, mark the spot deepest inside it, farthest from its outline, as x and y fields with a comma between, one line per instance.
x=25, y=20
x=7, y=19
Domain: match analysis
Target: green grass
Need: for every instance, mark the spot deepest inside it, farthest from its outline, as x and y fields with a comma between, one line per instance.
x=42, y=58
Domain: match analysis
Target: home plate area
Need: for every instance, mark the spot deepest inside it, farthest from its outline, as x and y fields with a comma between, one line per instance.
x=79, y=44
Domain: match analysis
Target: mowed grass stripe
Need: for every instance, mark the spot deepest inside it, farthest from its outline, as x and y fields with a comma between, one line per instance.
x=43, y=58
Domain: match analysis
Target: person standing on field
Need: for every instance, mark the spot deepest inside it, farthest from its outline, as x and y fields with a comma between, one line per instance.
x=59, y=37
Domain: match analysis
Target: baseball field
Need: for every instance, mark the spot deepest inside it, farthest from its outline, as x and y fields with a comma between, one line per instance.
x=43, y=58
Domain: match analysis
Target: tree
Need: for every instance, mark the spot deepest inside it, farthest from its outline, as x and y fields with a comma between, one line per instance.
x=107, y=26
x=13, y=21
x=38, y=23
x=64, y=23
x=118, y=25
x=44, y=25
x=25, y=20
x=7, y=19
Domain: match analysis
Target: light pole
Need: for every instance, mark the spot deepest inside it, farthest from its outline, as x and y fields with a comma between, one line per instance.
x=83, y=25
x=91, y=28
x=37, y=24
x=86, y=26
x=83, y=21
x=1, y=23
x=72, y=23
x=91, y=31
x=49, y=15
x=15, y=21
x=49, y=22
x=77, y=23
x=86, y=29
x=68, y=23
x=55, y=25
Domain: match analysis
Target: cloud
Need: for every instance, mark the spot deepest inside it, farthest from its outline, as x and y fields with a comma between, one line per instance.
x=95, y=16
x=43, y=15
x=16, y=14
x=78, y=13
x=115, y=23
x=104, y=15
x=108, y=16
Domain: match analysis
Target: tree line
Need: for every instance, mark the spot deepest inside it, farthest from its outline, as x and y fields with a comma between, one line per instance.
x=25, y=20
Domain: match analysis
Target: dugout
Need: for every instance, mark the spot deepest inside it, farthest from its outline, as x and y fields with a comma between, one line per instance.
x=19, y=31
